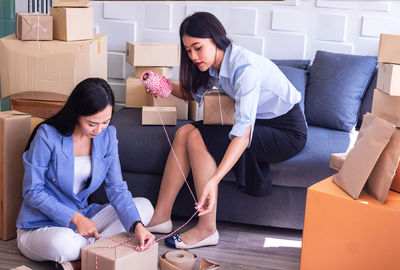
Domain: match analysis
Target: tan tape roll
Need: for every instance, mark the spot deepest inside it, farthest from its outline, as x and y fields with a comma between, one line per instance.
x=182, y=259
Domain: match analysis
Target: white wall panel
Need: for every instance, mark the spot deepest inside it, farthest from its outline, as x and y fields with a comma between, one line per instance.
x=254, y=44
x=281, y=45
x=118, y=33
x=289, y=20
x=157, y=16
x=242, y=21
x=331, y=27
x=372, y=26
x=127, y=10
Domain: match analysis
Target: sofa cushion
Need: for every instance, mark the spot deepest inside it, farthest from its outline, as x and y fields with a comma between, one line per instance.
x=312, y=163
x=336, y=84
x=366, y=102
x=298, y=77
x=142, y=149
x=295, y=63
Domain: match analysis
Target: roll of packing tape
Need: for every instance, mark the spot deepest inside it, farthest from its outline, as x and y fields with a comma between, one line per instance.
x=182, y=259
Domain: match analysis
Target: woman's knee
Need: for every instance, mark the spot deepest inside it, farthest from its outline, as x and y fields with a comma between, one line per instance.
x=194, y=139
x=67, y=247
x=182, y=134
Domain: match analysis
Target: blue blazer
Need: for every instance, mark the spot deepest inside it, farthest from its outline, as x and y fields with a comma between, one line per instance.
x=48, y=194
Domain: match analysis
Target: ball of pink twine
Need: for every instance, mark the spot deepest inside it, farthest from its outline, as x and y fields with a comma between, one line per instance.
x=156, y=84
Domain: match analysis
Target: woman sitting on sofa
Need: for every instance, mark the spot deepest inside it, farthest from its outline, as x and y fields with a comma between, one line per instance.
x=67, y=158
x=269, y=126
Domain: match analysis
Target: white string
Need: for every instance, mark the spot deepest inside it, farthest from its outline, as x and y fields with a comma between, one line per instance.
x=220, y=109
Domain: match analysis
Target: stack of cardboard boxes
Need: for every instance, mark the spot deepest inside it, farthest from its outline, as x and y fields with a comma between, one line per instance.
x=159, y=58
x=38, y=73
x=343, y=233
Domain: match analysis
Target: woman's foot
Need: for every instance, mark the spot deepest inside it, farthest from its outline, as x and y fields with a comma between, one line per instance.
x=192, y=239
x=165, y=227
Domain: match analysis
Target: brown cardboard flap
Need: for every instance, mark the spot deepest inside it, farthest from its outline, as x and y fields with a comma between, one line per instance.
x=374, y=135
x=208, y=265
x=42, y=109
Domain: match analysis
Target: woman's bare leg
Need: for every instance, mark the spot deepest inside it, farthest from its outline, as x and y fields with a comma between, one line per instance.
x=172, y=179
x=203, y=167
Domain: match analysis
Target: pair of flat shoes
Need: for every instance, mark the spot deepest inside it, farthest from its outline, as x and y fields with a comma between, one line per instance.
x=175, y=240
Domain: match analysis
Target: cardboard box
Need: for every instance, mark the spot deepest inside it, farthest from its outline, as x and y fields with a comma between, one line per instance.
x=219, y=109
x=71, y=3
x=343, y=233
x=71, y=24
x=386, y=107
x=152, y=54
x=111, y=256
x=389, y=79
x=35, y=121
x=389, y=49
x=195, y=111
x=167, y=72
x=15, y=129
x=172, y=101
x=34, y=26
x=151, y=115
x=37, y=108
x=49, y=70
x=337, y=160
x=136, y=95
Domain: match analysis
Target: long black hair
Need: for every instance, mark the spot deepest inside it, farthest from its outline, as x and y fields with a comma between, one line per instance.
x=89, y=97
x=199, y=25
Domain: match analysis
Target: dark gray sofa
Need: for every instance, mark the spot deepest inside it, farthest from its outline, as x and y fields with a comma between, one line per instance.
x=143, y=151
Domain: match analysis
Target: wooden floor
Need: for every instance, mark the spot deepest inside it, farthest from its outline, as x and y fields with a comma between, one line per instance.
x=240, y=247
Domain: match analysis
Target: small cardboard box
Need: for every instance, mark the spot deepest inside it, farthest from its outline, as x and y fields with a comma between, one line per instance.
x=34, y=26
x=151, y=115
x=35, y=121
x=111, y=256
x=71, y=24
x=389, y=49
x=37, y=108
x=386, y=107
x=195, y=111
x=71, y=3
x=343, y=233
x=136, y=95
x=167, y=72
x=337, y=160
x=15, y=129
x=389, y=79
x=151, y=54
x=172, y=101
x=219, y=109
x=49, y=70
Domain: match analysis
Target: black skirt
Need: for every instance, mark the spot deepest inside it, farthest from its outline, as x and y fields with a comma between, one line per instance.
x=274, y=140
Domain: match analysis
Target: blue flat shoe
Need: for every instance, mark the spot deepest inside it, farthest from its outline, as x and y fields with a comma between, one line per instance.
x=175, y=241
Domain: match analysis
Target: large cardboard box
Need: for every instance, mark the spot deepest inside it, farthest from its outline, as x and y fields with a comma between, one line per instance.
x=152, y=115
x=136, y=95
x=172, y=101
x=49, y=70
x=71, y=24
x=389, y=79
x=36, y=108
x=151, y=54
x=386, y=107
x=167, y=72
x=114, y=256
x=343, y=233
x=195, y=111
x=71, y=3
x=15, y=129
x=219, y=109
x=34, y=26
x=389, y=49
x=35, y=121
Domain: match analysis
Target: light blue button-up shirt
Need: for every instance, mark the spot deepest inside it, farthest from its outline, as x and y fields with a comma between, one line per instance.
x=258, y=87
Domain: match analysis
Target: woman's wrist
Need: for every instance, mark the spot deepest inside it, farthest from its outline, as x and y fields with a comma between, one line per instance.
x=134, y=226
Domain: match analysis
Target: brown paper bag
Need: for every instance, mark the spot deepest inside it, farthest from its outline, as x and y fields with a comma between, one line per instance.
x=374, y=134
x=381, y=177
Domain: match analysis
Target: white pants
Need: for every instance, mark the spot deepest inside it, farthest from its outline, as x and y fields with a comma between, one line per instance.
x=62, y=244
